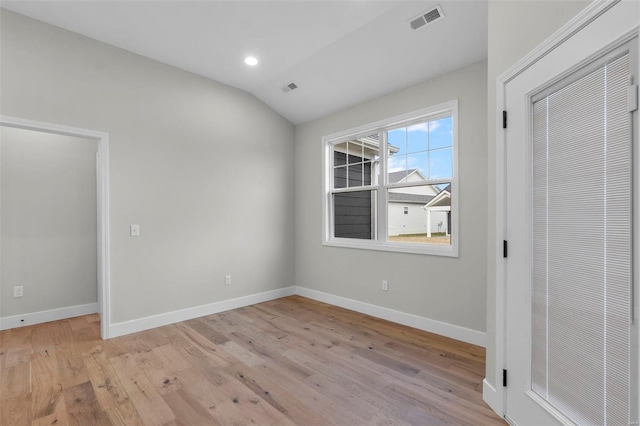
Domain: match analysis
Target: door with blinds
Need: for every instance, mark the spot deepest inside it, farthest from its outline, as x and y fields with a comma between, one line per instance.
x=571, y=349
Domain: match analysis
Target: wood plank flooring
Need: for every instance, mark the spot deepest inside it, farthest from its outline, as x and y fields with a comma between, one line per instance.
x=291, y=361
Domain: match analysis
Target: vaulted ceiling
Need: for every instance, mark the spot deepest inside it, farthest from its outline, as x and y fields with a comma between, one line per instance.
x=338, y=53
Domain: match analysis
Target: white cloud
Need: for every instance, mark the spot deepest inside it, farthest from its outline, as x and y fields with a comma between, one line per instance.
x=431, y=125
x=397, y=164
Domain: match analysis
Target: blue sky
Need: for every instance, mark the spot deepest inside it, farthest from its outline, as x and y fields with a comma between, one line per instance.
x=425, y=146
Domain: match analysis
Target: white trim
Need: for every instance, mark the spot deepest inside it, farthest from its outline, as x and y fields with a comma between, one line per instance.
x=146, y=323
x=433, y=326
x=104, y=283
x=127, y=327
x=432, y=112
x=445, y=109
x=47, y=316
x=444, y=329
x=492, y=397
x=581, y=20
x=585, y=17
x=398, y=247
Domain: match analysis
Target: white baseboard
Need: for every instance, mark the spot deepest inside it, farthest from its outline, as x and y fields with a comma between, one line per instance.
x=493, y=397
x=133, y=326
x=146, y=323
x=444, y=329
x=46, y=316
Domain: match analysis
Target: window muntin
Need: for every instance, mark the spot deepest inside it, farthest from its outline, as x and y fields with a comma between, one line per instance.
x=377, y=174
x=426, y=147
x=355, y=162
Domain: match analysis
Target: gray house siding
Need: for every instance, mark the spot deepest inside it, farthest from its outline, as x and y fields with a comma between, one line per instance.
x=352, y=210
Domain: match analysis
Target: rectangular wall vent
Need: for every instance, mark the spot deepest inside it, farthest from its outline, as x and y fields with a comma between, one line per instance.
x=428, y=17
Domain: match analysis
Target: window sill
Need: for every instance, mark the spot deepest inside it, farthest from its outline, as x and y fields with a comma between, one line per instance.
x=427, y=249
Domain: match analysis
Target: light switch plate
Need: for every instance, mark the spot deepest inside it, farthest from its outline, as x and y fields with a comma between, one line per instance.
x=134, y=230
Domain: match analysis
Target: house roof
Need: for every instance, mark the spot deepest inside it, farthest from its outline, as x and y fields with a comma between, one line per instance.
x=399, y=197
x=395, y=177
x=442, y=199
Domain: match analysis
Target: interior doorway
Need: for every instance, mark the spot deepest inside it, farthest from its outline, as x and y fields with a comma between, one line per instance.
x=82, y=144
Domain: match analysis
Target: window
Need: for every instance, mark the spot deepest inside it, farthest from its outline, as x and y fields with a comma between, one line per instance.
x=374, y=175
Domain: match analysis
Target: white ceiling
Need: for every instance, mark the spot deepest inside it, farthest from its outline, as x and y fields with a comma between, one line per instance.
x=339, y=53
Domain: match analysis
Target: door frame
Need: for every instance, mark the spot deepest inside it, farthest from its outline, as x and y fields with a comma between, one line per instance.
x=102, y=198
x=494, y=393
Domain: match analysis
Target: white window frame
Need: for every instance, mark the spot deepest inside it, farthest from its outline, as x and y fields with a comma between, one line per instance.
x=449, y=108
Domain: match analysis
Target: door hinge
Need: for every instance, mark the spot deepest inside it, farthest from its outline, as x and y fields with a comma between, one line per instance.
x=504, y=248
x=632, y=98
x=504, y=119
x=504, y=378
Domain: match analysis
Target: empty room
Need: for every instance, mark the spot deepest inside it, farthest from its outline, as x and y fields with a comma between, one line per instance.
x=313, y=212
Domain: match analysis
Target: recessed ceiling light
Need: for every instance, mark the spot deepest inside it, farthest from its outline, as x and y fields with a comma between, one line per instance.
x=250, y=60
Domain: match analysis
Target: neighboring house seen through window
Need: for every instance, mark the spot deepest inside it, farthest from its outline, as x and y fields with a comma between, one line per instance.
x=376, y=174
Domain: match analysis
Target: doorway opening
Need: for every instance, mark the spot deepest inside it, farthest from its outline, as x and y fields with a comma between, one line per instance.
x=101, y=139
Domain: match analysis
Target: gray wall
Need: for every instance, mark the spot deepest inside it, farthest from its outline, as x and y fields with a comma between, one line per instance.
x=48, y=230
x=208, y=173
x=451, y=290
x=205, y=169
x=515, y=28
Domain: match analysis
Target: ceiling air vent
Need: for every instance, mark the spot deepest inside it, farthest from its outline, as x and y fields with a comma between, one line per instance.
x=289, y=87
x=427, y=17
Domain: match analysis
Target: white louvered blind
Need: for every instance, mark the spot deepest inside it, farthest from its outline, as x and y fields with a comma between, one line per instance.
x=581, y=247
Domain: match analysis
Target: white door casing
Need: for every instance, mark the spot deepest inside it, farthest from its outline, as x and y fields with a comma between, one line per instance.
x=102, y=175
x=602, y=27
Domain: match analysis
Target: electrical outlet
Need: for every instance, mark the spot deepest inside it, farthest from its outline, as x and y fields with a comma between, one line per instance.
x=385, y=285
x=227, y=280
x=18, y=291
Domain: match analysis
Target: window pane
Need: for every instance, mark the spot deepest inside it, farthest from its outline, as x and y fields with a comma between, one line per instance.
x=353, y=215
x=397, y=168
x=355, y=175
x=397, y=141
x=361, y=156
x=397, y=158
x=369, y=175
x=340, y=177
x=417, y=167
x=355, y=152
x=441, y=163
x=370, y=145
x=417, y=138
x=420, y=214
x=371, y=158
x=441, y=133
x=340, y=154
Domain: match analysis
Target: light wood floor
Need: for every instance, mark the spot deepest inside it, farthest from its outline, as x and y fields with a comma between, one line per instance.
x=283, y=362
